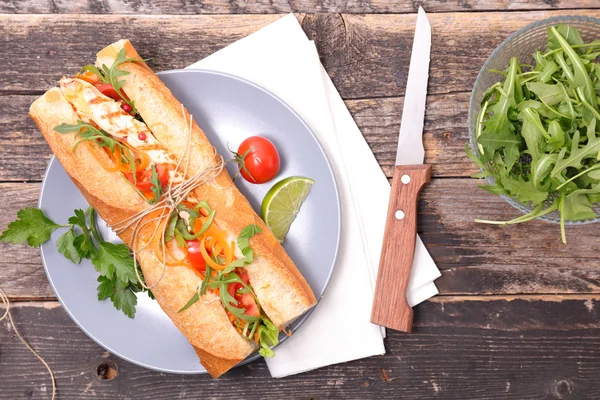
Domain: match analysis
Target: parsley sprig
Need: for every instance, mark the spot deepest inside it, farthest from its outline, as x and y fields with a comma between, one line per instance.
x=82, y=240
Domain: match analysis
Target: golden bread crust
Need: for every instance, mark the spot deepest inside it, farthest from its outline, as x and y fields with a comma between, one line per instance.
x=205, y=324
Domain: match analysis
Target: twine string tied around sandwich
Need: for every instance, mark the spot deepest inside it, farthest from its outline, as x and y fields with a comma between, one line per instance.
x=168, y=203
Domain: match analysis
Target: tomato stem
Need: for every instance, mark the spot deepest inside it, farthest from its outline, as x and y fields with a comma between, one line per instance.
x=240, y=160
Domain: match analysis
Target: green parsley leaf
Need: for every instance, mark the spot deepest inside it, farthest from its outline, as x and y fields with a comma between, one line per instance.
x=114, y=260
x=66, y=246
x=106, y=287
x=32, y=226
x=79, y=219
x=84, y=245
x=124, y=299
x=83, y=242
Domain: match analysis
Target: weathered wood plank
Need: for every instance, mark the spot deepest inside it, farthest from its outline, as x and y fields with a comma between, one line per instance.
x=445, y=132
x=26, y=153
x=524, y=348
x=525, y=258
x=47, y=47
x=474, y=258
x=367, y=56
x=278, y=6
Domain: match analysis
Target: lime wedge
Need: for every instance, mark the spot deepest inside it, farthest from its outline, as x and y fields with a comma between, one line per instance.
x=282, y=203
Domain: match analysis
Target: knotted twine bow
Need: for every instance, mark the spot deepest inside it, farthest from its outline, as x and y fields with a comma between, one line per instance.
x=168, y=203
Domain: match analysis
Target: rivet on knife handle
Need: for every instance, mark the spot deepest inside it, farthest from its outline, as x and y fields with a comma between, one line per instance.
x=390, y=307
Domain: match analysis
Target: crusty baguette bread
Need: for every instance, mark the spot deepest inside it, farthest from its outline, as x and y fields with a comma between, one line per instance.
x=282, y=291
x=205, y=324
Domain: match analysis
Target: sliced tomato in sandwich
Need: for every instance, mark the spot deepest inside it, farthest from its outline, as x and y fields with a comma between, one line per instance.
x=108, y=90
x=247, y=301
x=194, y=255
x=143, y=179
x=243, y=274
x=233, y=288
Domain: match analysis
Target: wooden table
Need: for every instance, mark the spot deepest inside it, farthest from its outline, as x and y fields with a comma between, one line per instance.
x=518, y=314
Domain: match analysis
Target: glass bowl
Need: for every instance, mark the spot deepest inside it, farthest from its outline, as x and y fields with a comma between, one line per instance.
x=522, y=44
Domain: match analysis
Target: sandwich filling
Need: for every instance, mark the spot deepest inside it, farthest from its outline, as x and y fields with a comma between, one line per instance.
x=191, y=237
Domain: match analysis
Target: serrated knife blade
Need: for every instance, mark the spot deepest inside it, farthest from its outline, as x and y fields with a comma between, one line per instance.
x=410, y=141
x=390, y=307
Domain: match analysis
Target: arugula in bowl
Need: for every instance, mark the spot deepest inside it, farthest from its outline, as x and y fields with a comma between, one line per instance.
x=537, y=131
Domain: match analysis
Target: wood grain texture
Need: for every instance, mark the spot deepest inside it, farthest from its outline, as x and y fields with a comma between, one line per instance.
x=178, y=42
x=461, y=348
x=474, y=258
x=369, y=55
x=26, y=153
x=366, y=55
x=278, y=6
x=390, y=307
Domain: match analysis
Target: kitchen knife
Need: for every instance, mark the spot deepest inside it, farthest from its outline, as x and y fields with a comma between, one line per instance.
x=390, y=307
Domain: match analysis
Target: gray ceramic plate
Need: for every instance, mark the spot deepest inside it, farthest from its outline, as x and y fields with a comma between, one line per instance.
x=229, y=109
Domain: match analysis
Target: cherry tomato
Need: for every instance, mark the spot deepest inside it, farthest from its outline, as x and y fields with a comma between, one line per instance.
x=258, y=159
x=144, y=183
x=89, y=77
x=108, y=90
x=195, y=257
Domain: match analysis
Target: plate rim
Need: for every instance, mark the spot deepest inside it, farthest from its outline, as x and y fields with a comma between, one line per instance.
x=303, y=317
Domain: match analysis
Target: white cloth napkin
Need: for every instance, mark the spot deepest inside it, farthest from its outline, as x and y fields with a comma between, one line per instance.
x=280, y=58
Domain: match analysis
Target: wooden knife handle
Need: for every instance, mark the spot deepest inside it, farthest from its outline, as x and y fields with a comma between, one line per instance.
x=390, y=307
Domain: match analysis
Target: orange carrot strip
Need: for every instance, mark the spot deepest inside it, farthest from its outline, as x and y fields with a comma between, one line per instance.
x=144, y=161
x=209, y=260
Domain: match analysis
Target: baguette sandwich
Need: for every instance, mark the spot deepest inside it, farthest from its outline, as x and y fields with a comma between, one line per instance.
x=143, y=163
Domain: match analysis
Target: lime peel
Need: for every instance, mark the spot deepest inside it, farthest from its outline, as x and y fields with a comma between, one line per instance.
x=282, y=204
